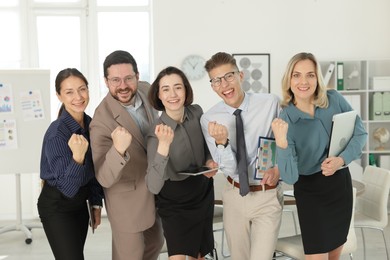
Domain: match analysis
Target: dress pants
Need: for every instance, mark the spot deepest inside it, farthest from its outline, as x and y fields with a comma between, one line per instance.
x=65, y=222
x=252, y=222
x=145, y=245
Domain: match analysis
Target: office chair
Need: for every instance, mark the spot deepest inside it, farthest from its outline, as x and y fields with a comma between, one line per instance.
x=371, y=205
x=292, y=246
x=219, y=183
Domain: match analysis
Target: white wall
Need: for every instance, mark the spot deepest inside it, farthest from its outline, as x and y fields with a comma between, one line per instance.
x=331, y=29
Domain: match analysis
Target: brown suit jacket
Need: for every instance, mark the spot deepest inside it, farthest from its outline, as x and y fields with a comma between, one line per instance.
x=130, y=206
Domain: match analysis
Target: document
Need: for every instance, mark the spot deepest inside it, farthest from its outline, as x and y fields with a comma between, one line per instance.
x=91, y=217
x=266, y=156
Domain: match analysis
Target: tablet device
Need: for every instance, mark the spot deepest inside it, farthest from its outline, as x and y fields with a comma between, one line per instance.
x=343, y=125
x=198, y=171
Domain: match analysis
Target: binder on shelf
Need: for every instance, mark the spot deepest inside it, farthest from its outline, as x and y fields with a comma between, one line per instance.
x=340, y=76
x=384, y=161
x=377, y=106
x=386, y=106
x=328, y=74
x=354, y=101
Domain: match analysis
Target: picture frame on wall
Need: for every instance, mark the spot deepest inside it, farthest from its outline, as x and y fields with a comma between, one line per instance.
x=256, y=69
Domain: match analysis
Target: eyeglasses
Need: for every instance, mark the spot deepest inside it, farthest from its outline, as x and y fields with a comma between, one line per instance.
x=229, y=77
x=116, y=82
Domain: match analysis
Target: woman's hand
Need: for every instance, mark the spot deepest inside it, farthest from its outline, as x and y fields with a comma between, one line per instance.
x=165, y=137
x=211, y=164
x=280, y=129
x=330, y=165
x=78, y=144
x=97, y=214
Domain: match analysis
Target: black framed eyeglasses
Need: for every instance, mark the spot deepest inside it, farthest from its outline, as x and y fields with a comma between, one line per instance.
x=229, y=77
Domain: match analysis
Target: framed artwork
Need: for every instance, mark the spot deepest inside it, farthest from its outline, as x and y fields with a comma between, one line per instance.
x=256, y=69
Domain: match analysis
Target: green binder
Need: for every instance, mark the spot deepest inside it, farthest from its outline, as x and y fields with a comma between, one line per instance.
x=340, y=76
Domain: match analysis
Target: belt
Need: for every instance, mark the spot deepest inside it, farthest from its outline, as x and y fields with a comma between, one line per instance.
x=252, y=188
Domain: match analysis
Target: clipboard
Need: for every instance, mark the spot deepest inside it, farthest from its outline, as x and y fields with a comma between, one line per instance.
x=198, y=171
x=265, y=156
x=91, y=217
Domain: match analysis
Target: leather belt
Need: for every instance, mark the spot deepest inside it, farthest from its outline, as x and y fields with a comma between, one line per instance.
x=252, y=188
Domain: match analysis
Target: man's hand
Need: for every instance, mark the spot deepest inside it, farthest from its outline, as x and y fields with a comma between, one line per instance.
x=218, y=132
x=270, y=176
x=121, y=139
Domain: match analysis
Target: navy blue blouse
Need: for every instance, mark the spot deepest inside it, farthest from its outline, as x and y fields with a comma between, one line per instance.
x=59, y=169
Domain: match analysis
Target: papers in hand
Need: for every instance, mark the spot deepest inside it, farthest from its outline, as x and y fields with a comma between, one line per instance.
x=265, y=157
x=91, y=217
x=198, y=171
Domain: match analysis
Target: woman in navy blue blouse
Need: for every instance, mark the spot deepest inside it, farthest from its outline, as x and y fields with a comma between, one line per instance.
x=322, y=186
x=67, y=171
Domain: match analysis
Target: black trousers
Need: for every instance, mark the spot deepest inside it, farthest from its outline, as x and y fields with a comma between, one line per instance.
x=65, y=222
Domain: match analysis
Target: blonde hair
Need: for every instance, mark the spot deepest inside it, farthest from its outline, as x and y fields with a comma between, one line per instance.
x=320, y=96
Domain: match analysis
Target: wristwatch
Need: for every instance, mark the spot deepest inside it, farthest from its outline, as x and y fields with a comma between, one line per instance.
x=222, y=146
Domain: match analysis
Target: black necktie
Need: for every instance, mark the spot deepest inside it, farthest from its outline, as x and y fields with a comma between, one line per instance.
x=241, y=155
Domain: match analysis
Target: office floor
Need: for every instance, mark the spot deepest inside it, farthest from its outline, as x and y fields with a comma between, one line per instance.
x=98, y=245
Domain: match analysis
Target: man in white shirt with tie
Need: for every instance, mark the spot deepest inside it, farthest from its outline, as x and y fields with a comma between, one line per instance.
x=252, y=214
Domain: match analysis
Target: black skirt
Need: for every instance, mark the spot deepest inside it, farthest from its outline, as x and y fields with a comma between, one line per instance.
x=186, y=209
x=324, y=207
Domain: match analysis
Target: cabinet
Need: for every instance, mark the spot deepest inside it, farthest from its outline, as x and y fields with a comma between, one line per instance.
x=366, y=86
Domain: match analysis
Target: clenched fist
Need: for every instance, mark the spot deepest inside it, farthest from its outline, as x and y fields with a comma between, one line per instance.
x=78, y=144
x=218, y=132
x=280, y=129
x=121, y=139
x=165, y=136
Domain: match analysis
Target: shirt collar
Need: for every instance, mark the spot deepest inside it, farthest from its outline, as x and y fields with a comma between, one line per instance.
x=72, y=124
x=137, y=103
x=244, y=105
x=172, y=123
x=295, y=114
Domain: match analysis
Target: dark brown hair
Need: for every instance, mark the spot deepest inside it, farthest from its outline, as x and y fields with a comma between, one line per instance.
x=63, y=75
x=218, y=59
x=155, y=87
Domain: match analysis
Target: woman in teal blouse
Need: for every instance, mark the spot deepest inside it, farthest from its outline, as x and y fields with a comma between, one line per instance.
x=322, y=187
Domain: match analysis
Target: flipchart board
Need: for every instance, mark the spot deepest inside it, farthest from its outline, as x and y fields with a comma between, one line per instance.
x=24, y=118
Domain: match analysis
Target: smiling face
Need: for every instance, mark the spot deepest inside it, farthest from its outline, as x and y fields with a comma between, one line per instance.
x=304, y=81
x=122, y=82
x=172, y=93
x=231, y=92
x=74, y=95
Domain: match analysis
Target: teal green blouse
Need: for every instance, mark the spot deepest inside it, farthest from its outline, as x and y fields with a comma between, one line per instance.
x=308, y=138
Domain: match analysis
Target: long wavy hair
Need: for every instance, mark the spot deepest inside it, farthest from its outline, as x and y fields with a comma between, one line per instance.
x=320, y=95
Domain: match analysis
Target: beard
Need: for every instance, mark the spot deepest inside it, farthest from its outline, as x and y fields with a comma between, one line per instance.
x=124, y=100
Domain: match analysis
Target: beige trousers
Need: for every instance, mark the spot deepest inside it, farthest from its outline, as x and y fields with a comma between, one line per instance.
x=252, y=222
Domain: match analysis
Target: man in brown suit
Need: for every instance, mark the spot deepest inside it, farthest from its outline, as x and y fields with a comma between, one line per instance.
x=117, y=130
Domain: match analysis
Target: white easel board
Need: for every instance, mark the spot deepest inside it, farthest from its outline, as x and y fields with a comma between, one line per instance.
x=24, y=118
